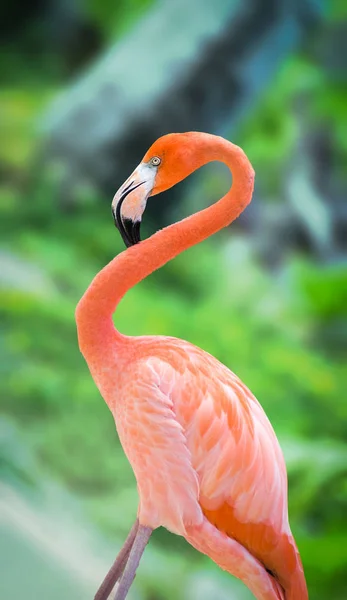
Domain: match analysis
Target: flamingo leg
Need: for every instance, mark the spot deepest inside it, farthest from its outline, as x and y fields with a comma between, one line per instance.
x=142, y=536
x=118, y=566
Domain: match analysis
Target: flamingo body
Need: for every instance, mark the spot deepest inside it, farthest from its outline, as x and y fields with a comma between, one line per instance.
x=206, y=459
x=217, y=473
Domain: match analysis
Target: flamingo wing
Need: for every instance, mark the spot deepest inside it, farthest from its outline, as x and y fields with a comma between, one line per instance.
x=235, y=453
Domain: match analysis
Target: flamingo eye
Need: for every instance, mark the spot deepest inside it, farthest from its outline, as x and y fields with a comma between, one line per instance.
x=155, y=161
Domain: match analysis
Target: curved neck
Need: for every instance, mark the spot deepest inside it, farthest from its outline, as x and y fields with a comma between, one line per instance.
x=95, y=309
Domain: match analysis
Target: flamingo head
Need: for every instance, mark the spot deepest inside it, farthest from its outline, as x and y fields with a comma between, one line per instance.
x=169, y=160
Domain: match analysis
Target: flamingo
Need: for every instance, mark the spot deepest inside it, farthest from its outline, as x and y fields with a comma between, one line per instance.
x=206, y=459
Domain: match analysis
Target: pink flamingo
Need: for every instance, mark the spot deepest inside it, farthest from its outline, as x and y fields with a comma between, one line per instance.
x=206, y=459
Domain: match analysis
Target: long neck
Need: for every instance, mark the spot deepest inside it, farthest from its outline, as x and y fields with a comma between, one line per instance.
x=95, y=309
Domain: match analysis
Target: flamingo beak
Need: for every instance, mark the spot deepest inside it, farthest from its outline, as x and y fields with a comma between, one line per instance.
x=130, y=201
x=128, y=227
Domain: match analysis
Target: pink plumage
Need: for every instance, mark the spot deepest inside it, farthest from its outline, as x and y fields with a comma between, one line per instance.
x=206, y=459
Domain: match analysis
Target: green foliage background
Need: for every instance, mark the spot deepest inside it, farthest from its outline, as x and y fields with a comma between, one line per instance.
x=283, y=332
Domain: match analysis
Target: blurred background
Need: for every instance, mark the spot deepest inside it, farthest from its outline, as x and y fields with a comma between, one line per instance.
x=87, y=86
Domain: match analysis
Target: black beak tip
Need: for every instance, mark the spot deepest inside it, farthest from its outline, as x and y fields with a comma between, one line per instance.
x=129, y=230
x=132, y=231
